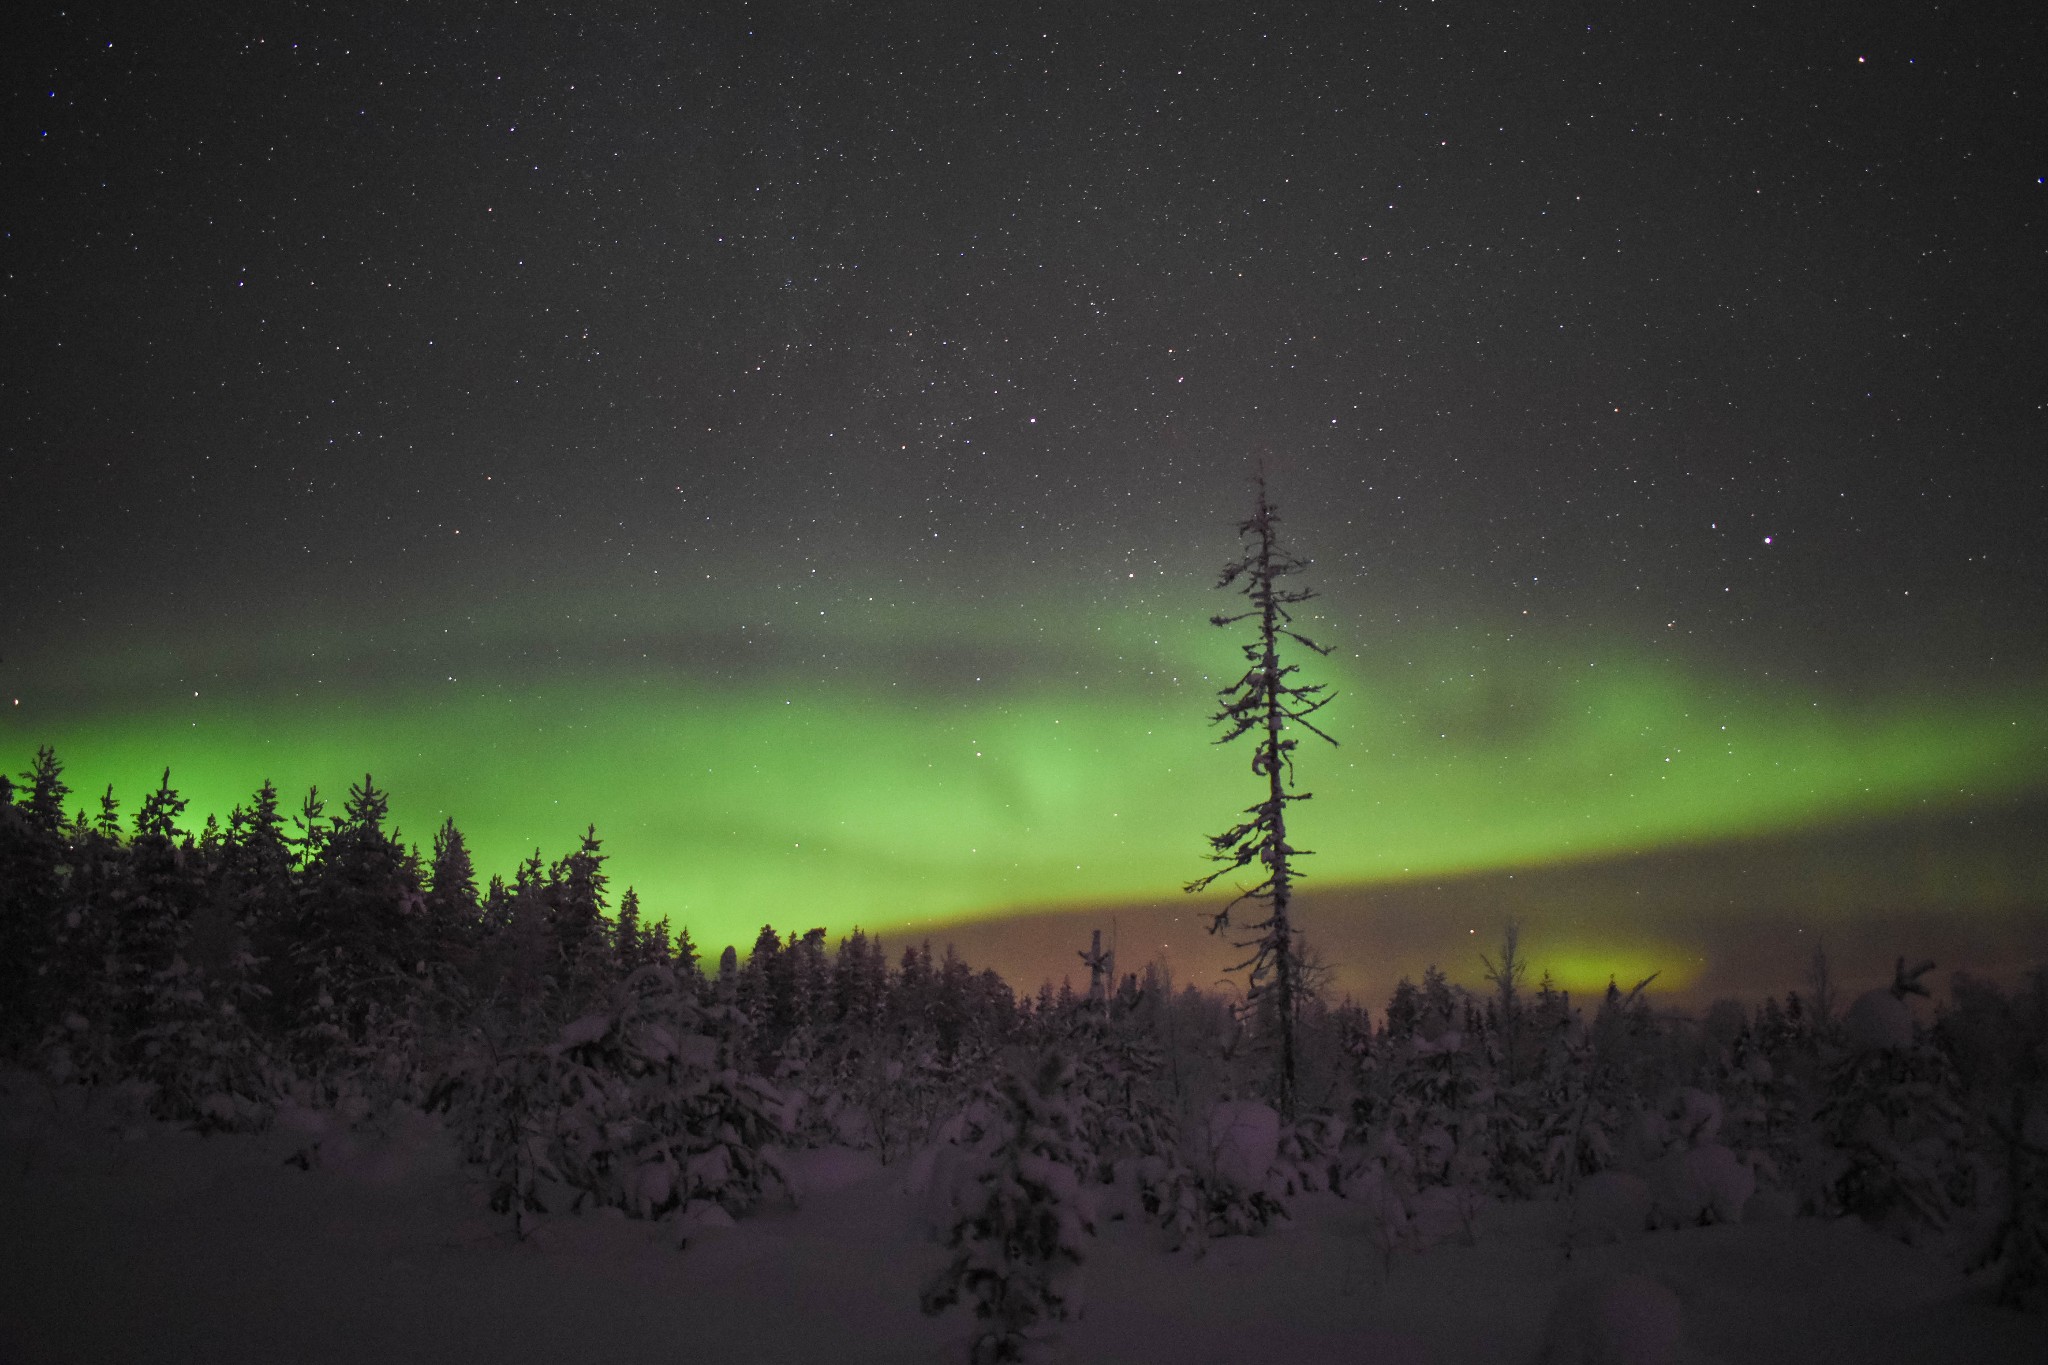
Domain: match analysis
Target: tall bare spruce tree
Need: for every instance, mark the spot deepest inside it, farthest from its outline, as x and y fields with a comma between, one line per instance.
x=1264, y=704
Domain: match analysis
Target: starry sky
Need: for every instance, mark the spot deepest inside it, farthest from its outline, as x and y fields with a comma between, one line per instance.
x=801, y=439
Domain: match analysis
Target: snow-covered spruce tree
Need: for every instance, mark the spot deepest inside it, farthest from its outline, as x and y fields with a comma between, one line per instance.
x=1764, y=1111
x=2000, y=1048
x=356, y=954
x=187, y=999
x=83, y=979
x=920, y=1044
x=650, y=1122
x=1130, y=1129
x=1426, y=1130
x=1018, y=1243
x=1265, y=704
x=1893, y=1114
x=1438, y=1099
x=501, y=1096
x=148, y=978
x=452, y=910
x=207, y=1066
x=2018, y=1245
x=628, y=1105
x=32, y=928
x=1522, y=1055
x=1506, y=979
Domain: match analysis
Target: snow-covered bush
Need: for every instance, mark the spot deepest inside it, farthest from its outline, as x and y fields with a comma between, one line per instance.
x=184, y=1036
x=1243, y=1137
x=892, y=1093
x=1577, y=1114
x=1693, y=1178
x=1893, y=1116
x=208, y=1067
x=1117, y=1068
x=626, y=1107
x=1381, y=1194
x=1309, y=1159
x=1125, y=1105
x=1766, y=1112
x=1229, y=1188
x=1224, y=1191
x=1694, y=1185
x=1018, y=1242
x=1434, y=1099
x=1402, y=1216
x=2018, y=1245
x=942, y=1176
x=2000, y=1049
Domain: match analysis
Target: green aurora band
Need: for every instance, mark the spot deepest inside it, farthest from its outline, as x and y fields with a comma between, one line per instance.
x=892, y=781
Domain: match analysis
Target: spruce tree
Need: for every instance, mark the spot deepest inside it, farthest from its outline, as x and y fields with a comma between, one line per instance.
x=257, y=853
x=108, y=823
x=312, y=828
x=684, y=954
x=1506, y=976
x=357, y=947
x=629, y=939
x=1018, y=1244
x=521, y=955
x=256, y=878
x=453, y=877
x=454, y=914
x=1264, y=704
x=43, y=802
x=577, y=906
x=859, y=981
x=32, y=852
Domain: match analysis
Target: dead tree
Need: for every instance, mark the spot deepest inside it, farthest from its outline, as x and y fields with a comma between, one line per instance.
x=1266, y=705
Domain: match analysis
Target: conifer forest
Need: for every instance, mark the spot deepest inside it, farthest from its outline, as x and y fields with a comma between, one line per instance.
x=307, y=978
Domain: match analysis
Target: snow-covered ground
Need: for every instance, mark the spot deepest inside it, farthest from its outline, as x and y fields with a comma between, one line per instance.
x=127, y=1240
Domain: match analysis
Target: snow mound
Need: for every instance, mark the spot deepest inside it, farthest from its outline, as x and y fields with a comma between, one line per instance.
x=827, y=1170
x=1686, y=1117
x=1448, y=1041
x=304, y=1122
x=704, y=1215
x=1695, y=1116
x=1444, y=1213
x=1613, y=1206
x=941, y=1178
x=1614, y=1319
x=651, y=1185
x=1770, y=1206
x=1707, y=1184
x=406, y=1146
x=1374, y=1190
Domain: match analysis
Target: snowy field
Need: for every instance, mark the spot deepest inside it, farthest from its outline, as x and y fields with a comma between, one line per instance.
x=130, y=1240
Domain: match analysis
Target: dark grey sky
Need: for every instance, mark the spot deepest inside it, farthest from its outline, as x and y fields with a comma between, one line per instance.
x=1582, y=304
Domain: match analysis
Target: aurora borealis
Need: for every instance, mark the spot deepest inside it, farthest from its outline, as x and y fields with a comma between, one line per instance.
x=861, y=803
x=801, y=444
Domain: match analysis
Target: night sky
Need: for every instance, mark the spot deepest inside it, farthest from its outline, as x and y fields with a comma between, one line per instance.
x=802, y=439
